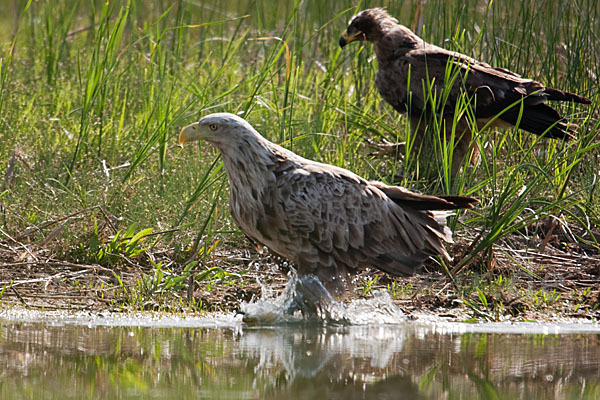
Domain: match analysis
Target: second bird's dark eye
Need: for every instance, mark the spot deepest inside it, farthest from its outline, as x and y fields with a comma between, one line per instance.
x=213, y=127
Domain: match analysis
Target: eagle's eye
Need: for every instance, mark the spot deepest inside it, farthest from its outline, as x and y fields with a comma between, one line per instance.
x=213, y=127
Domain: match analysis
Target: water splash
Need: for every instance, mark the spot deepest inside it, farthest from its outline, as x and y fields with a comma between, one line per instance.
x=379, y=310
x=270, y=309
x=305, y=299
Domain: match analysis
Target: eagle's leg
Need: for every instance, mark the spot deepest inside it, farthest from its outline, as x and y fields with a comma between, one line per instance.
x=460, y=142
x=462, y=146
x=312, y=298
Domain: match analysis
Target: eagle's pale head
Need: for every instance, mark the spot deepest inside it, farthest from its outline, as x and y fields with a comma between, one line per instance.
x=220, y=129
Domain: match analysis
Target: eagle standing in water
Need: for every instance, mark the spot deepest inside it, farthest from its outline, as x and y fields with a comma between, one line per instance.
x=412, y=76
x=326, y=220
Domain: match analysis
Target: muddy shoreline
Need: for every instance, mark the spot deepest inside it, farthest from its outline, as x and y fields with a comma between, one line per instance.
x=554, y=286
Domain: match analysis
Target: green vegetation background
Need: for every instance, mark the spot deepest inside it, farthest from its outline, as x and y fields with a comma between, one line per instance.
x=93, y=95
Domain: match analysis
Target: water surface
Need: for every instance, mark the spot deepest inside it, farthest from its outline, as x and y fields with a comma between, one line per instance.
x=212, y=358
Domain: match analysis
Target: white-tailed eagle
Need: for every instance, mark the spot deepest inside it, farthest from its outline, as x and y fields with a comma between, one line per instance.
x=326, y=220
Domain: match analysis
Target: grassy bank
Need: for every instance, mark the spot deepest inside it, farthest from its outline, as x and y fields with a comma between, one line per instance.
x=98, y=203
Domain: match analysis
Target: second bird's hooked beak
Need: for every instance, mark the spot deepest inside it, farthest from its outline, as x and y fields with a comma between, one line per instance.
x=345, y=38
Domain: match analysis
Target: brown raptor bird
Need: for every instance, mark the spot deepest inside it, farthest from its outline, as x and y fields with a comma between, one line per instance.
x=326, y=220
x=412, y=78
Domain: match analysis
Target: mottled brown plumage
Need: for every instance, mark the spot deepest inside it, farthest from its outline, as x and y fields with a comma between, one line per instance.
x=327, y=220
x=490, y=91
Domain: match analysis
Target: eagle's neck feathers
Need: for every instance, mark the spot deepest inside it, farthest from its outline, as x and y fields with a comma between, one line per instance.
x=396, y=42
x=251, y=167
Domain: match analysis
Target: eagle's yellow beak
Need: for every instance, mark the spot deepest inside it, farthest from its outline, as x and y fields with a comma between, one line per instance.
x=189, y=134
x=345, y=39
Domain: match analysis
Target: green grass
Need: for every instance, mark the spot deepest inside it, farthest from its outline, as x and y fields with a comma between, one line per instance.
x=93, y=94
